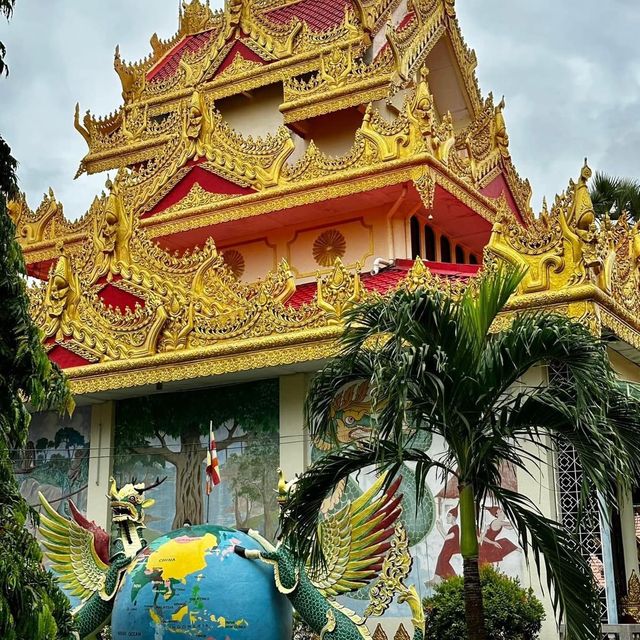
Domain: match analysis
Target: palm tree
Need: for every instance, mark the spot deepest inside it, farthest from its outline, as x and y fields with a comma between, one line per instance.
x=434, y=363
x=612, y=195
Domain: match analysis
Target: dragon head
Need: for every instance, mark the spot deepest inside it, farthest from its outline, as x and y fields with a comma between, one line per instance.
x=351, y=414
x=128, y=503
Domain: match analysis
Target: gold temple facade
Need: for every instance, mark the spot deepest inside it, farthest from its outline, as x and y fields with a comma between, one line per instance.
x=274, y=163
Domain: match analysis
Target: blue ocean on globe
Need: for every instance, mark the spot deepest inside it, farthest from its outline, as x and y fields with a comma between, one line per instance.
x=190, y=584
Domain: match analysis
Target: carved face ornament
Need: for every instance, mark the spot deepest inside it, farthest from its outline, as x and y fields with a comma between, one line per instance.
x=194, y=122
x=58, y=296
x=109, y=229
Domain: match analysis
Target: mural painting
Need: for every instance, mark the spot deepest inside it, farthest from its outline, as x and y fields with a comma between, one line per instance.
x=56, y=459
x=432, y=527
x=168, y=435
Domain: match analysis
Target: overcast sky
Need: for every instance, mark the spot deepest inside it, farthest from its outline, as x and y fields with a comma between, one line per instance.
x=569, y=69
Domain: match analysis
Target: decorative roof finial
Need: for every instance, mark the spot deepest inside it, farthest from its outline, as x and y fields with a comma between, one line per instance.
x=195, y=17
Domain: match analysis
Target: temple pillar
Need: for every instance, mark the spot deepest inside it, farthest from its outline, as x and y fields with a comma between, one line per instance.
x=100, y=462
x=538, y=483
x=294, y=439
x=628, y=528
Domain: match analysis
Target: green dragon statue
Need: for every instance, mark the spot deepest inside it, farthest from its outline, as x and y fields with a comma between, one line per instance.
x=361, y=542
x=79, y=551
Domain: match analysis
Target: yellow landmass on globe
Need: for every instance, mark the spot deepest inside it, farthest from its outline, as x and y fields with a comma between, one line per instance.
x=181, y=557
x=180, y=613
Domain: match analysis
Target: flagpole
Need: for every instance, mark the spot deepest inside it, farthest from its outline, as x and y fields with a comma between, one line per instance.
x=209, y=491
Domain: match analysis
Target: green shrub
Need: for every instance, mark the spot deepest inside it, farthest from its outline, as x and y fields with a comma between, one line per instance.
x=511, y=612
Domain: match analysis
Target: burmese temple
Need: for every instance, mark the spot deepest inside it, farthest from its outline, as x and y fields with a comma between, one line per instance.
x=273, y=164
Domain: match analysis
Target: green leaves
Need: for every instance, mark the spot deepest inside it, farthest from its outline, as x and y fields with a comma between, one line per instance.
x=510, y=611
x=31, y=605
x=612, y=195
x=569, y=576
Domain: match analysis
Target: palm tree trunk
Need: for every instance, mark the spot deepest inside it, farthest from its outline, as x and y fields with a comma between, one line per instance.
x=473, y=605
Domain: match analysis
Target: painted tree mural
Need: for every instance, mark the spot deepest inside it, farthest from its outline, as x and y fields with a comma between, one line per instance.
x=239, y=413
x=251, y=476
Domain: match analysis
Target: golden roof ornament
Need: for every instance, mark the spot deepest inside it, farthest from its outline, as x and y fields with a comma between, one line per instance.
x=582, y=214
x=339, y=291
x=194, y=17
x=631, y=602
x=500, y=135
x=61, y=296
x=112, y=232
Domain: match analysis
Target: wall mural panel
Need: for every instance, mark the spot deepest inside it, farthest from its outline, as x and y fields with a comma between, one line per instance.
x=56, y=459
x=433, y=528
x=168, y=435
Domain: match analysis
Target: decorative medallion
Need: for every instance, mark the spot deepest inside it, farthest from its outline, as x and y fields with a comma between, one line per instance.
x=235, y=261
x=329, y=245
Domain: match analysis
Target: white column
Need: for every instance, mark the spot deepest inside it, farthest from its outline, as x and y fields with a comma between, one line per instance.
x=540, y=487
x=294, y=441
x=628, y=527
x=607, y=560
x=100, y=462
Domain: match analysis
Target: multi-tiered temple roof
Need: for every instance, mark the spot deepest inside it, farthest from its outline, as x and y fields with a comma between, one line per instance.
x=266, y=159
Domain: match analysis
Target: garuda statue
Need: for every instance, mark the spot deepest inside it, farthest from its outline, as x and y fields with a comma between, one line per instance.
x=356, y=542
x=80, y=551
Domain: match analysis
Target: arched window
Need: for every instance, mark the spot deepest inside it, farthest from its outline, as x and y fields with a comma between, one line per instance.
x=415, y=238
x=429, y=243
x=473, y=259
x=445, y=249
x=459, y=255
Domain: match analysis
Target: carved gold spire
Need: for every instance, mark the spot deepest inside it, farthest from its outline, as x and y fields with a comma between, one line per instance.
x=194, y=16
x=339, y=291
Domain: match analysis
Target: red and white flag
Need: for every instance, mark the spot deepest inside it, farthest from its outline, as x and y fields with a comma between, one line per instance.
x=213, y=466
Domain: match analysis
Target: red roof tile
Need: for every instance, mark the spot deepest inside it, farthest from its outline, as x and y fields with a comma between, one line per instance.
x=65, y=358
x=389, y=278
x=320, y=15
x=304, y=294
x=171, y=61
x=406, y=21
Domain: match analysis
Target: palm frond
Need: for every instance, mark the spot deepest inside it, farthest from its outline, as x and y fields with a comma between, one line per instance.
x=480, y=306
x=569, y=576
x=326, y=385
x=612, y=195
x=6, y=8
x=544, y=338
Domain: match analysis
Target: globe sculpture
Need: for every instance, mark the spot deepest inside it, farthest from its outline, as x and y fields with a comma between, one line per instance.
x=218, y=583
x=190, y=584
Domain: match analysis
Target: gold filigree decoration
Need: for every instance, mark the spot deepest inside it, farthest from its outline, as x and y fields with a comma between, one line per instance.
x=328, y=246
x=339, y=291
x=631, y=602
x=239, y=65
x=195, y=17
x=425, y=185
x=395, y=570
x=197, y=197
